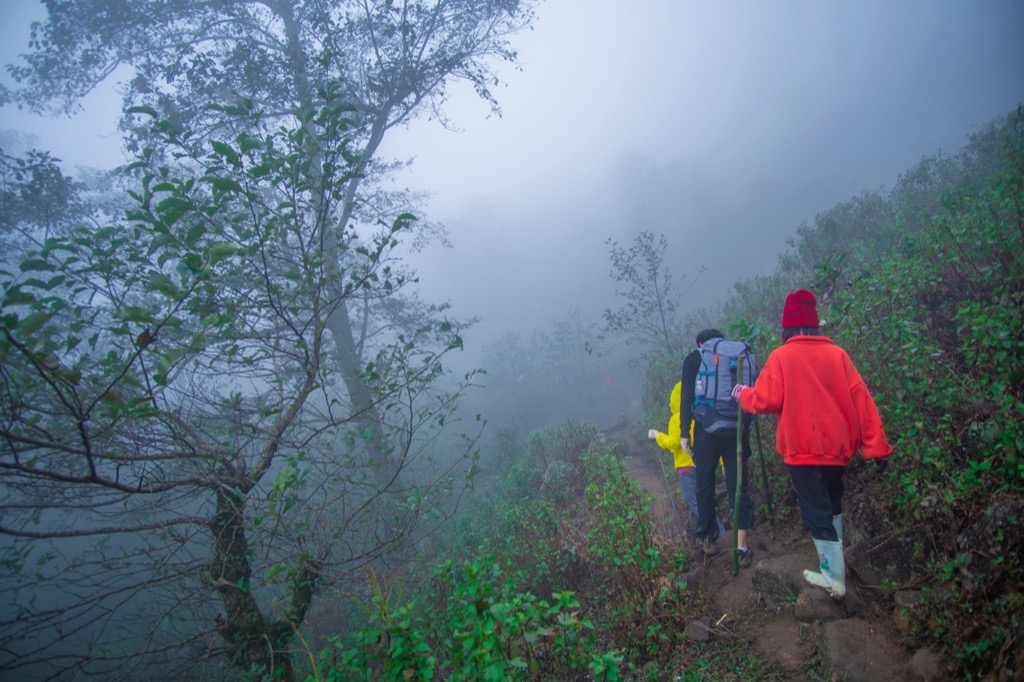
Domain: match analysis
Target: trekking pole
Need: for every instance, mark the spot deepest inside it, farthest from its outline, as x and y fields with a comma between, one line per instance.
x=764, y=471
x=739, y=475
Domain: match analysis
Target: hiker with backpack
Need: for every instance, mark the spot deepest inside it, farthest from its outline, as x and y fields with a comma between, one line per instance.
x=826, y=415
x=686, y=472
x=709, y=374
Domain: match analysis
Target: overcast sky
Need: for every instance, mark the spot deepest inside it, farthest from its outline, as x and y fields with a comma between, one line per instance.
x=711, y=122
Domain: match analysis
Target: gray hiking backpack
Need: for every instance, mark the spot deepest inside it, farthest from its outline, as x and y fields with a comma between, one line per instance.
x=714, y=408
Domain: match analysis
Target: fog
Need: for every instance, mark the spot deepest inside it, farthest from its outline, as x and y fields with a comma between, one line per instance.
x=723, y=127
x=712, y=123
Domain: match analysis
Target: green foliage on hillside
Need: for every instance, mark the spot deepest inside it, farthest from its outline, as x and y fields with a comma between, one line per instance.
x=924, y=286
x=556, y=576
x=949, y=305
x=515, y=596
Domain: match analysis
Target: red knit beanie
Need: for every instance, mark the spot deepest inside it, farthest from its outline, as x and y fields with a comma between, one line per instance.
x=800, y=310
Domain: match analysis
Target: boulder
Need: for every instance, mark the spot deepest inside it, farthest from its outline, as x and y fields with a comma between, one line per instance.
x=884, y=561
x=694, y=579
x=853, y=650
x=699, y=630
x=814, y=604
x=782, y=578
x=926, y=666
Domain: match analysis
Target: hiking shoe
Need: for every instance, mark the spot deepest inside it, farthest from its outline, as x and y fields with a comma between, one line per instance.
x=708, y=547
x=746, y=557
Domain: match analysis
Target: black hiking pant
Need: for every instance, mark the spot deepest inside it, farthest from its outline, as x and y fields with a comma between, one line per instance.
x=708, y=448
x=819, y=491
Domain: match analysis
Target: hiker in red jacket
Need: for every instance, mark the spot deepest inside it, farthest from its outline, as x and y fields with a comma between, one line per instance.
x=826, y=415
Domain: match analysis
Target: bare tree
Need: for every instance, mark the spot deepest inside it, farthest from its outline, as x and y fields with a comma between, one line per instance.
x=649, y=315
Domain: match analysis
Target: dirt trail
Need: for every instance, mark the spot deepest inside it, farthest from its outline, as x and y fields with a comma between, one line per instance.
x=737, y=611
x=736, y=607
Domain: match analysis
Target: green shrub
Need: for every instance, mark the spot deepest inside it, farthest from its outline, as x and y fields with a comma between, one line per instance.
x=486, y=629
x=566, y=521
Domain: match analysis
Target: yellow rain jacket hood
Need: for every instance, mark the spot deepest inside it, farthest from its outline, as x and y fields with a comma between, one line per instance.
x=670, y=441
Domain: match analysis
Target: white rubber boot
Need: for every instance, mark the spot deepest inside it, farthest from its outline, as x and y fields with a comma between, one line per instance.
x=832, y=576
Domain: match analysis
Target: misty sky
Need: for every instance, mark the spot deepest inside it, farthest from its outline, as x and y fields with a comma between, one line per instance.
x=713, y=123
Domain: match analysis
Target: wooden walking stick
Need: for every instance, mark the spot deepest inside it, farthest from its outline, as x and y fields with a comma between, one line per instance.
x=739, y=475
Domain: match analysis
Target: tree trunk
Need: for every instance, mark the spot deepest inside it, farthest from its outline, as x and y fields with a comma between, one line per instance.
x=254, y=642
x=339, y=323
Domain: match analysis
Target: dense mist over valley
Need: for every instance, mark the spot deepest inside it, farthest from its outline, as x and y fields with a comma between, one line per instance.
x=709, y=124
x=288, y=285
x=714, y=125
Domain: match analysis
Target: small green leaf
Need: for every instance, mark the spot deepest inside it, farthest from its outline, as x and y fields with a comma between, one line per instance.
x=220, y=250
x=34, y=322
x=224, y=149
x=15, y=296
x=247, y=143
x=260, y=170
x=194, y=233
x=149, y=111
x=225, y=185
x=160, y=240
x=36, y=264
x=163, y=284
x=34, y=283
x=134, y=314
x=172, y=208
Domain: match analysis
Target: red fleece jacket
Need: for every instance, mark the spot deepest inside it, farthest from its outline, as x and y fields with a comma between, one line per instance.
x=827, y=413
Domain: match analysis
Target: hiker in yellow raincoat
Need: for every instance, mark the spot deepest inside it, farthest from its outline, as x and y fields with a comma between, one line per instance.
x=683, y=460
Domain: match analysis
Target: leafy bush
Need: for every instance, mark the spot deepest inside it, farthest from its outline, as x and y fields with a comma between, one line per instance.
x=483, y=629
x=567, y=521
x=939, y=329
x=933, y=314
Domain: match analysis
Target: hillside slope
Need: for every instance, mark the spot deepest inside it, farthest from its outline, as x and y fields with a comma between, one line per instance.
x=767, y=610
